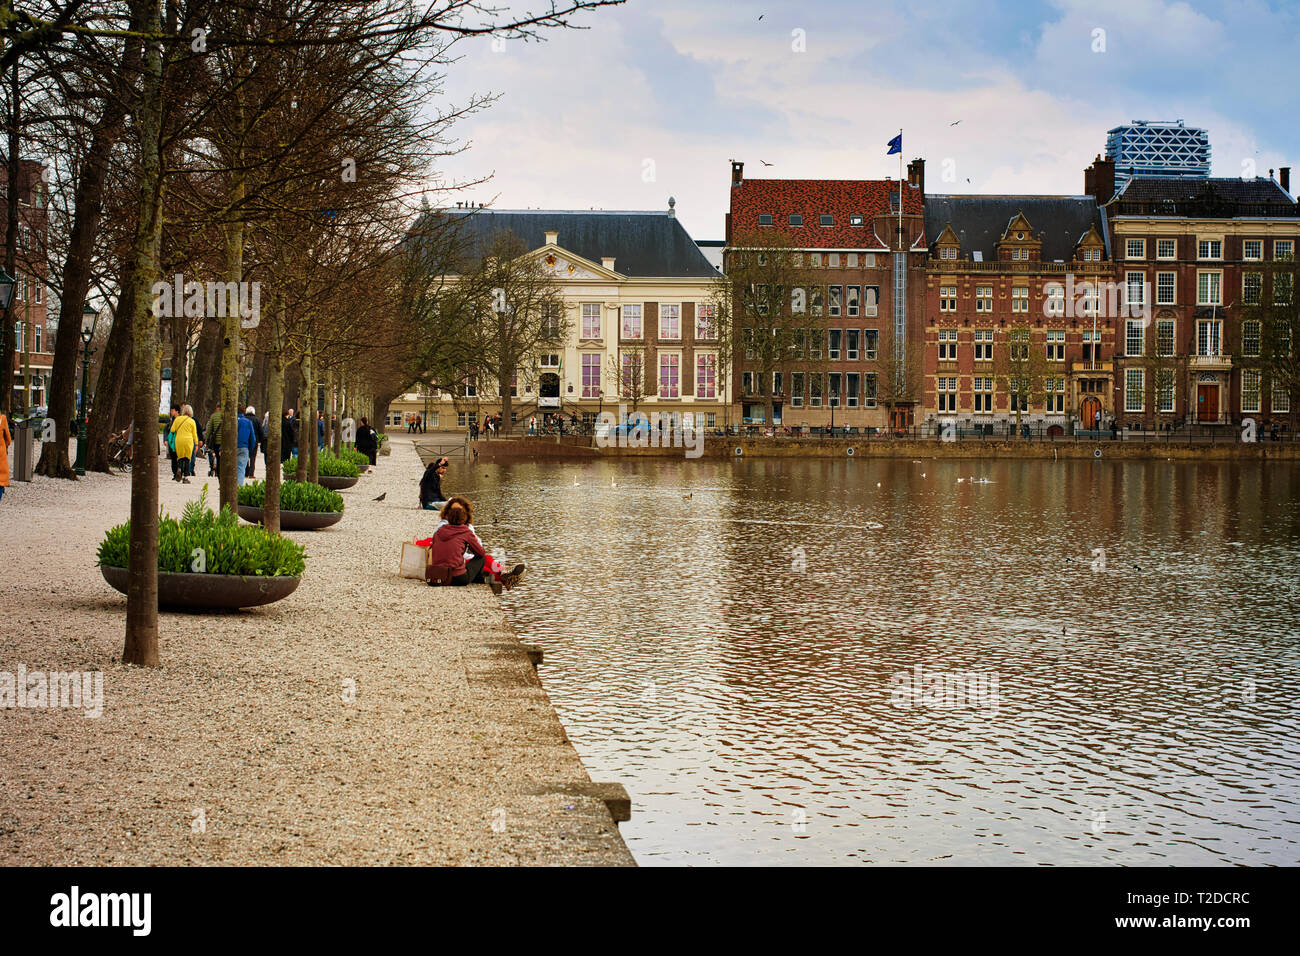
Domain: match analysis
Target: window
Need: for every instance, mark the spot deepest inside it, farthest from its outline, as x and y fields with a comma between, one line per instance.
x=632, y=321
x=835, y=389
x=815, y=391
x=983, y=394
x=796, y=389
x=1055, y=388
x=765, y=219
x=1280, y=398
x=815, y=296
x=1209, y=249
x=815, y=260
x=1020, y=254
x=1133, y=337
x=1250, y=390
x=948, y=252
x=1166, y=248
x=1209, y=288
x=1133, y=397
x=1283, y=250
x=1250, y=337
x=947, y=345
x=815, y=344
x=835, y=337
x=1135, y=249
x=832, y=260
x=1135, y=288
x=984, y=298
x=706, y=375
x=1091, y=304
x=1018, y=344
x=947, y=298
x=1252, y=249
x=591, y=375
x=1282, y=286
x=852, y=382
x=1208, y=338
x=1165, y=337
x=470, y=387
x=1055, y=305
x=826, y=220
x=746, y=383
x=1165, y=390
x=591, y=320
x=798, y=300
x=1056, y=345
x=984, y=345
x=462, y=419
x=851, y=260
x=1092, y=255
x=869, y=390
x=870, y=341
x=747, y=339
x=851, y=339
x=39, y=287
x=1091, y=346
x=947, y=390
x=1020, y=299
x=855, y=220
x=1166, y=284
x=852, y=299
x=705, y=326
x=796, y=219
x=549, y=360
x=1252, y=283
x=835, y=300
x=670, y=321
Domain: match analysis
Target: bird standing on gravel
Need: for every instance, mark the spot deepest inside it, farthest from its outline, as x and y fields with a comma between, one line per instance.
x=382, y=497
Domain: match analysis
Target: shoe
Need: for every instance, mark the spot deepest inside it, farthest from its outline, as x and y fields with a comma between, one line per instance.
x=495, y=585
x=185, y=481
x=512, y=577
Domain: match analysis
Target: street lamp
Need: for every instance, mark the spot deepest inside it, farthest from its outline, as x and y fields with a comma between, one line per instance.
x=89, y=318
x=7, y=283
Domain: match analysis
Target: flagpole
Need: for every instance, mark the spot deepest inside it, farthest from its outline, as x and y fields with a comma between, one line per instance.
x=900, y=190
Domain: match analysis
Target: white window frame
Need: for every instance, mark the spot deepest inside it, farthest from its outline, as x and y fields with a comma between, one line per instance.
x=1172, y=288
x=632, y=317
x=1173, y=246
x=1139, y=244
x=1134, y=398
x=587, y=311
x=1246, y=245
x=1210, y=249
x=670, y=311
x=1214, y=278
x=1251, y=394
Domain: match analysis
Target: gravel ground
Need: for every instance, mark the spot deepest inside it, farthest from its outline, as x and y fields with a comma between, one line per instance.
x=242, y=749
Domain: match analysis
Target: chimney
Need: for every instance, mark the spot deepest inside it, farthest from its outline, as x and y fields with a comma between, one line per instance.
x=737, y=173
x=916, y=174
x=552, y=237
x=1099, y=179
x=1284, y=179
x=607, y=262
x=672, y=210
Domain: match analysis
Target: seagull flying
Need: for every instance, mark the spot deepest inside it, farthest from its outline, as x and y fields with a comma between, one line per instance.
x=954, y=124
x=765, y=162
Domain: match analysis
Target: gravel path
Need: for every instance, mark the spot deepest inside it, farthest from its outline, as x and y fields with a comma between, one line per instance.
x=242, y=748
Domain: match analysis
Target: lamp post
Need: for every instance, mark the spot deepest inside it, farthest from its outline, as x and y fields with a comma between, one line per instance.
x=7, y=283
x=89, y=319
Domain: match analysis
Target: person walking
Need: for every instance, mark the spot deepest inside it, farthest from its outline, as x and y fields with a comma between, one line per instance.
x=288, y=436
x=246, y=446
x=213, y=433
x=185, y=439
x=367, y=441
x=170, y=440
x=259, y=439
x=532, y=425
x=5, y=441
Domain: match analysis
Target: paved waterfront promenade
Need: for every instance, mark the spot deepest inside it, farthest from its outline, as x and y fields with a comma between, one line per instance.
x=242, y=748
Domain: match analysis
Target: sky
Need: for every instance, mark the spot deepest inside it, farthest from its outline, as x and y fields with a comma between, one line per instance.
x=657, y=96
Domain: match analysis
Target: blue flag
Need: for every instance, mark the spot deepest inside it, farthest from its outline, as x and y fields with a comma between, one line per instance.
x=895, y=145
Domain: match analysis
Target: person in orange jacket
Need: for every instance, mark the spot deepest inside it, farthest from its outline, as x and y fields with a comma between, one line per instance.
x=5, y=441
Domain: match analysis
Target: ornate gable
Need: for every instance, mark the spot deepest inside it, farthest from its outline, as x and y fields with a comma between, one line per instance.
x=1019, y=240
x=947, y=246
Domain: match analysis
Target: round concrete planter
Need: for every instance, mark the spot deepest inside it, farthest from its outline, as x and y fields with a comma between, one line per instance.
x=336, y=484
x=294, y=520
x=206, y=592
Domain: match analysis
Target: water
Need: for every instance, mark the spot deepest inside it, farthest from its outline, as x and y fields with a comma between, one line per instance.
x=739, y=658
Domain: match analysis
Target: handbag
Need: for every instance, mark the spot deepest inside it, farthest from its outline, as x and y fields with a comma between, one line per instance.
x=414, y=560
x=437, y=574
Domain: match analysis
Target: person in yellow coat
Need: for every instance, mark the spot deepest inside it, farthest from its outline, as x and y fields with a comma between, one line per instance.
x=5, y=441
x=187, y=440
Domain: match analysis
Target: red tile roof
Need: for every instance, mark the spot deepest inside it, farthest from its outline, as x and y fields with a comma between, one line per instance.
x=813, y=198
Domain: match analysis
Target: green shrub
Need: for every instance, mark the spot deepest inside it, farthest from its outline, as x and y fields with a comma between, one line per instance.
x=359, y=459
x=329, y=466
x=294, y=496
x=228, y=546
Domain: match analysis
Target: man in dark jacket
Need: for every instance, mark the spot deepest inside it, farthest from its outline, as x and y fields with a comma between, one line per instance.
x=367, y=441
x=431, y=496
x=288, y=436
x=259, y=440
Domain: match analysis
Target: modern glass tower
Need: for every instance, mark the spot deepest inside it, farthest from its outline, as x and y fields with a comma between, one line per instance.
x=1158, y=149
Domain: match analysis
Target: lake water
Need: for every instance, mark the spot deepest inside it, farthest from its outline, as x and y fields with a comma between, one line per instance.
x=830, y=662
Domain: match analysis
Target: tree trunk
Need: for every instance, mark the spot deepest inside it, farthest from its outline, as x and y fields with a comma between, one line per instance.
x=274, y=470
x=106, y=404
x=230, y=359
x=141, y=645
x=207, y=369
x=306, y=422
x=11, y=250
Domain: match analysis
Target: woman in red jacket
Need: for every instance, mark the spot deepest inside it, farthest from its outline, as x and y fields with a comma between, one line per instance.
x=451, y=541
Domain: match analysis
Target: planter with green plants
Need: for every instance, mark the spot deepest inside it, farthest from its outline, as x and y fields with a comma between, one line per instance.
x=209, y=561
x=360, y=459
x=304, y=506
x=334, y=473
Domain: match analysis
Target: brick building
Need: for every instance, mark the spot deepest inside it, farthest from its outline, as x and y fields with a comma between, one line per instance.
x=1201, y=249
x=863, y=298
x=33, y=341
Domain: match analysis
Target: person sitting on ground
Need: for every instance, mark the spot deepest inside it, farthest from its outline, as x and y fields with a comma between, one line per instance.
x=431, y=496
x=500, y=577
x=451, y=542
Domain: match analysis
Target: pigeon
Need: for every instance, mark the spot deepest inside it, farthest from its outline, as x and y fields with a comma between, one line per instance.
x=765, y=162
x=382, y=497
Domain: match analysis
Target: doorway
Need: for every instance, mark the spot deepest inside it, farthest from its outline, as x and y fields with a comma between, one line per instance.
x=1089, y=411
x=1207, y=403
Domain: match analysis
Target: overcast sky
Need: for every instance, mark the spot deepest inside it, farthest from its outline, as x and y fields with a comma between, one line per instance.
x=658, y=95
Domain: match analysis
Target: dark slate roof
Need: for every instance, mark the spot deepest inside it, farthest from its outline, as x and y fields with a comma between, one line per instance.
x=1213, y=196
x=643, y=244
x=979, y=221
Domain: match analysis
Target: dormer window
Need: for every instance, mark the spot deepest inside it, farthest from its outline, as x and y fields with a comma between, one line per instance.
x=855, y=220
x=796, y=220
x=948, y=252
x=826, y=220
x=765, y=219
